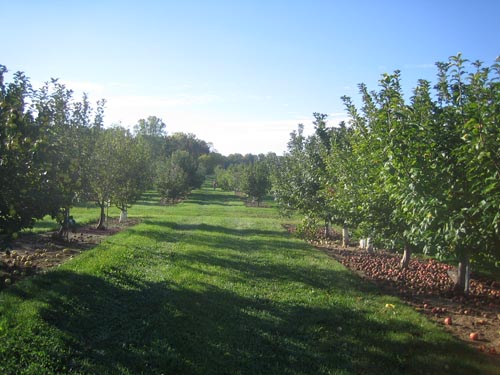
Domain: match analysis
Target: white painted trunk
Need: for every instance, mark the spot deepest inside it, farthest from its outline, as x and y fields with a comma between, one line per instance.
x=369, y=246
x=405, y=260
x=123, y=216
x=365, y=244
x=463, y=276
x=345, y=236
x=467, y=279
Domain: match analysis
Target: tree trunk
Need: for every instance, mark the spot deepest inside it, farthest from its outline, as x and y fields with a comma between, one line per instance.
x=60, y=231
x=345, y=236
x=463, y=275
x=123, y=215
x=102, y=217
x=64, y=228
x=369, y=246
x=405, y=260
x=328, y=228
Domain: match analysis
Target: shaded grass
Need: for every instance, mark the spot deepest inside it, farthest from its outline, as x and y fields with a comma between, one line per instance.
x=210, y=286
x=83, y=213
x=88, y=212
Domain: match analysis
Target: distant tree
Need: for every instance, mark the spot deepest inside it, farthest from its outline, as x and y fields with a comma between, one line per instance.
x=151, y=135
x=101, y=178
x=232, y=178
x=224, y=178
x=152, y=127
x=117, y=171
x=171, y=180
x=190, y=165
x=233, y=159
x=210, y=161
x=186, y=142
x=301, y=177
x=128, y=168
x=256, y=181
x=178, y=174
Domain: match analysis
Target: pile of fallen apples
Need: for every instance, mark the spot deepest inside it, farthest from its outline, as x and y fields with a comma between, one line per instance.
x=15, y=265
x=422, y=277
x=428, y=286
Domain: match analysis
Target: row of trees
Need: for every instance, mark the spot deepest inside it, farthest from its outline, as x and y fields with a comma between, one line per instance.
x=419, y=175
x=55, y=151
x=249, y=174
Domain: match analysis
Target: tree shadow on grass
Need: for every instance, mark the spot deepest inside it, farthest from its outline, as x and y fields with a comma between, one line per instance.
x=120, y=323
x=219, y=238
x=207, y=198
x=123, y=325
x=150, y=198
x=217, y=229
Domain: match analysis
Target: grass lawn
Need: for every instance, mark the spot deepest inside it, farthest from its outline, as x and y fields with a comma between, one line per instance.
x=83, y=213
x=210, y=286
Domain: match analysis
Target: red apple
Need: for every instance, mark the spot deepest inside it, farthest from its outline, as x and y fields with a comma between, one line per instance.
x=474, y=336
x=448, y=321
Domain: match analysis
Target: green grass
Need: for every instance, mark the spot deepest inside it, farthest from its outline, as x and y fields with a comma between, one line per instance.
x=83, y=213
x=210, y=286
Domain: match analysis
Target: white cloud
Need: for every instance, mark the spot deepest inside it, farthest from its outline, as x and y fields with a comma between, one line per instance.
x=127, y=109
x=229, y=134
x=251, y=136
x=204, y=116
x=335, y=118
x=90, y=88
x=246, y=136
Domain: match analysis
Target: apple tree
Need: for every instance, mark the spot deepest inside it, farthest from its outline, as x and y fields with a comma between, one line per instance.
x=68, y=144
x=300, y=175
x=439, y=157
x=171, y=180
x=23, y=168
x=256, y=181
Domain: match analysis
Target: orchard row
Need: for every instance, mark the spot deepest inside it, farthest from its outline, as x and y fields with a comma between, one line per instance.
x=55, y=151
x=417, y=175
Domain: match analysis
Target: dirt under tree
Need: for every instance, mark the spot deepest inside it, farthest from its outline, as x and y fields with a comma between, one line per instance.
x=35, y=253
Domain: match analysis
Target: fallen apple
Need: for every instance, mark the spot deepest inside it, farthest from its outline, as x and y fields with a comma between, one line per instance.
x=448, y=321
x=474, y=336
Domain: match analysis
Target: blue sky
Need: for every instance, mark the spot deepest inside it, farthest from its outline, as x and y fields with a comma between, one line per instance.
x=240, y=74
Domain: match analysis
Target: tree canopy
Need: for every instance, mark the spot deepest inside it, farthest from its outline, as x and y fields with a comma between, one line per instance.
x=422, y=175
x=56, y=151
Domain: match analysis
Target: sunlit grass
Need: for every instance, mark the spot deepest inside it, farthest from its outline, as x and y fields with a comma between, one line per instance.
x=88, y=212
x=210, y=286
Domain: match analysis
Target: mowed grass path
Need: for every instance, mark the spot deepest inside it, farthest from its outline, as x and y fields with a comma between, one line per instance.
x=210, y=286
